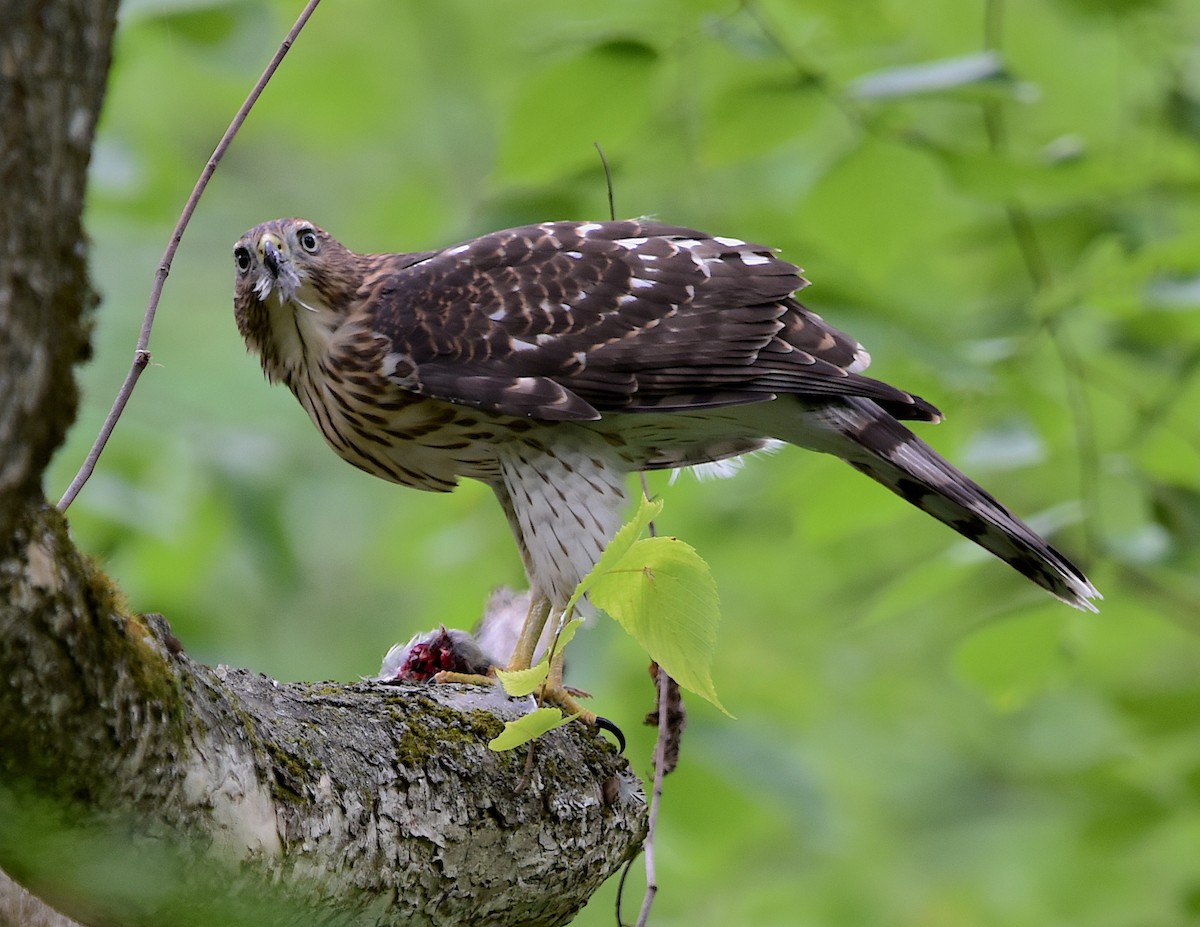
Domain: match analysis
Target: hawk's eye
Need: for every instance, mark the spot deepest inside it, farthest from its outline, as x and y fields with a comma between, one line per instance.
x=241, y=257
x=308, y=240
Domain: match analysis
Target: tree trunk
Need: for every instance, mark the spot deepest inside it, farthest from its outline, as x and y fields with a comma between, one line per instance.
x=54, y=60
x=139, y=787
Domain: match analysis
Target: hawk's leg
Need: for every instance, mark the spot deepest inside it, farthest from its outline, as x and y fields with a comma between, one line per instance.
x=563, y=490
x=553, y=691
x=564, y=697
x=531, y=633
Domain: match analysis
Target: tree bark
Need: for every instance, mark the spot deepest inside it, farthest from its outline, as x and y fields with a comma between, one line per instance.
x=139, y=787
x=54, y=60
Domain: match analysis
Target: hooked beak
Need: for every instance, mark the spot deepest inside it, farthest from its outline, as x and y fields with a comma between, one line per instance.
x=269, y=253
x=278, y=273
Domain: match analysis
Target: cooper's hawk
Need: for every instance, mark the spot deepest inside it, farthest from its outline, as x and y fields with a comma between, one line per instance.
x=550, y=361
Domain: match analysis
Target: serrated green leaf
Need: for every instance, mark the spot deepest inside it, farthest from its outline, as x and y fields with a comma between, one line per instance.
x=565, y=636
x=528, y=727
x=622, y=541
x=522, y=682
x=662, y=593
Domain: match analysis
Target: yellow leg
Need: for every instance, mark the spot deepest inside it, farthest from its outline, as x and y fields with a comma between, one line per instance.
x=531, y=633
x=555, y=679
x=555, y=693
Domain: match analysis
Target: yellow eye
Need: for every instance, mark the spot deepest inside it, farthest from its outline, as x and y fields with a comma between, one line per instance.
x=241, y=257
x=308, y=240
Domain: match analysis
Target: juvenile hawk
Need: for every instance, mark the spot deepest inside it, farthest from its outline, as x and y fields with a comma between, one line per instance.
x=550, y=361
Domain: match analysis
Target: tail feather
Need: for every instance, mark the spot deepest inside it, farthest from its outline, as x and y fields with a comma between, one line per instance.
x=879, y=446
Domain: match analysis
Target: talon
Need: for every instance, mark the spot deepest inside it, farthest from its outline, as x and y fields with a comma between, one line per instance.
x=605, y=725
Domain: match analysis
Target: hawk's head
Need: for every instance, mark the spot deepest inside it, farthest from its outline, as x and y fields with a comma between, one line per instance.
x=294, y=283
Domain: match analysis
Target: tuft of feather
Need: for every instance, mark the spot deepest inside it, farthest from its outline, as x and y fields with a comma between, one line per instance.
x=727, y=468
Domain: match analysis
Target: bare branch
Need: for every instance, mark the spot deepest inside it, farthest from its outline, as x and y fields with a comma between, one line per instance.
x=660, y=755
x=141, y=354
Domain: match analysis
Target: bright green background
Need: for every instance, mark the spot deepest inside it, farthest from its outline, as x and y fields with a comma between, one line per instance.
x=923, y=738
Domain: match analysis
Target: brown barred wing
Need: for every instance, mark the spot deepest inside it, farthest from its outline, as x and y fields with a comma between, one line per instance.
x=567, y=320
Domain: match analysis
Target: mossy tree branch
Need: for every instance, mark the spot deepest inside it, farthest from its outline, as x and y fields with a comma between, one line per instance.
x=353, y=801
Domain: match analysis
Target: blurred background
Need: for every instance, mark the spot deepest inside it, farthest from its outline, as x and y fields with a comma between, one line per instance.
x=1000, y=199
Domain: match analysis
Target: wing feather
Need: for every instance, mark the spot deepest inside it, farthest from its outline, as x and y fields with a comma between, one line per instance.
x=566, y=320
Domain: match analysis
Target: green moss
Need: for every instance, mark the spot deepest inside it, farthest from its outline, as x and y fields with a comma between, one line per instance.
x=484, y=723
x=417, y=742
x=422, y=734
x=135, y=647
x=287, y=774
x=116, y=656
x=104, y=595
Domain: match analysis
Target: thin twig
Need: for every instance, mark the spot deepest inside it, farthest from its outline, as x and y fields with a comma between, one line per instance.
x=141, y=354
x=621, y=888
x=612, y=211
x=660, y=752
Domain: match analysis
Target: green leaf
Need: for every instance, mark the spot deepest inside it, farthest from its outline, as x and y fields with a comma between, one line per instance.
x=622, y=541
x=522, y=682
x=565, y=636
x=662, y=593
x=527, y=727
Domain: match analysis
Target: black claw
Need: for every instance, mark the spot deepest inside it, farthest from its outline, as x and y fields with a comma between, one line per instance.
x=605, y=725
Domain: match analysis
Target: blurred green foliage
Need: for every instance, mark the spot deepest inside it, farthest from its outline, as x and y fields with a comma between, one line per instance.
x=923, y=738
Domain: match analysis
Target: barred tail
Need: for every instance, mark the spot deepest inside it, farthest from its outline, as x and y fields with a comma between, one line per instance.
x=876, y=444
